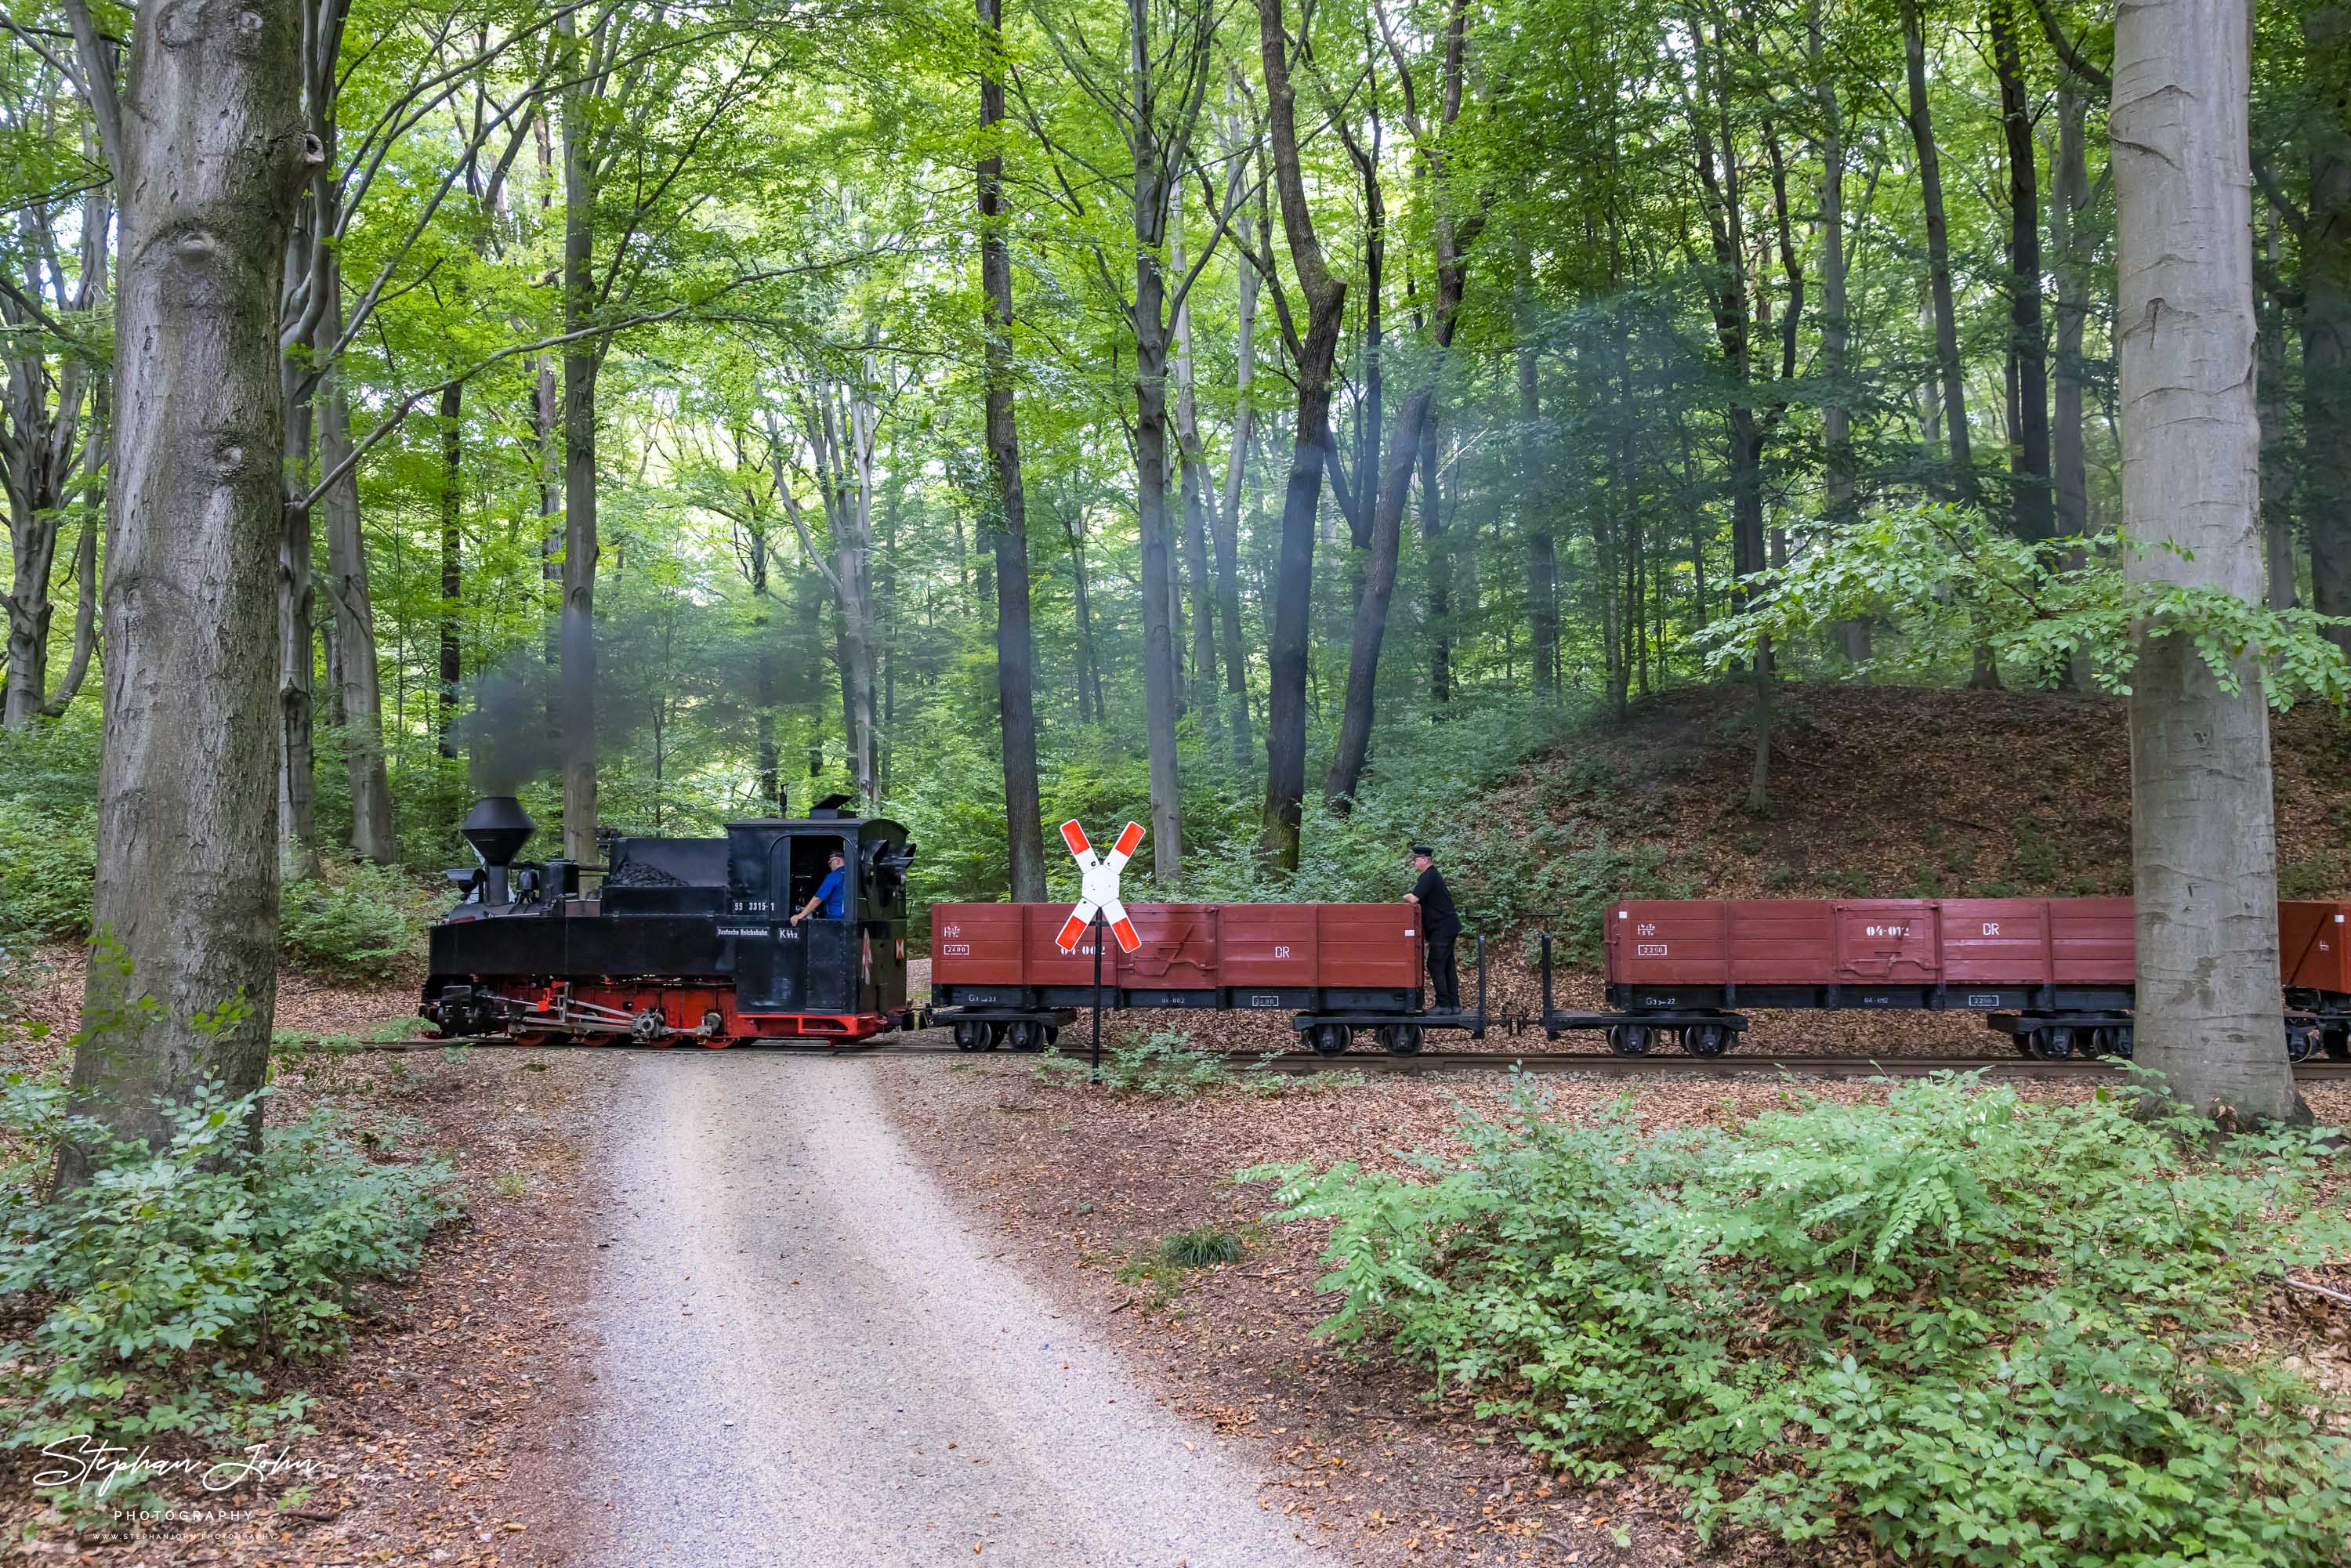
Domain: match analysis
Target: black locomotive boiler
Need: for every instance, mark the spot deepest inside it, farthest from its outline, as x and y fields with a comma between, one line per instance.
x=683, y=941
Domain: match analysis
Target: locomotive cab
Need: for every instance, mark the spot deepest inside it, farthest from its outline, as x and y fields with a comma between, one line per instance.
x=853, y=964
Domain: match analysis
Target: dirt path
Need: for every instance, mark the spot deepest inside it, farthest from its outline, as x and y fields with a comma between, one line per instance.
x=812, y=1354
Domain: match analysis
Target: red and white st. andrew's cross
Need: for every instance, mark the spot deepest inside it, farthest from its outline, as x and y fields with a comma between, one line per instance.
x=1099, y=892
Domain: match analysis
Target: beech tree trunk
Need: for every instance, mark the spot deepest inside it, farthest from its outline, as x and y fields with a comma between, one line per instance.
x=2029, y=436
x=1938, y=257
x=1293, y=590
x=2326, y=323
x=353, y=608
x=453, y=560
x=2203, y=848
x=2069, y=198
x=1237, y=469
x=298, y=783
x=576, y=632
x=1439, y=549
x=1836, y=417
x=1192, y=476
x=214, y=153
x=2278, y=456
x=1016, y=648
x=1542, y=549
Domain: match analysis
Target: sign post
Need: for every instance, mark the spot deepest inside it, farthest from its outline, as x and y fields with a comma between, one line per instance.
x=1098, y=906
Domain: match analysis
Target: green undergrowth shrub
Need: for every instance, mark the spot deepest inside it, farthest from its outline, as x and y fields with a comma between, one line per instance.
x=48, y=828
x=1165, y=1065
x=144, y=1305
x=355, y=921
x=1971, y=1328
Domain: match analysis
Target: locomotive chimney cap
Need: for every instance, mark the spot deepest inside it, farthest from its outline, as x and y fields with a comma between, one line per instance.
x=497, y=827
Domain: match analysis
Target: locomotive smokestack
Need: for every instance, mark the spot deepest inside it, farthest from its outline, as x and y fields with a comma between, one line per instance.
x=497, y=827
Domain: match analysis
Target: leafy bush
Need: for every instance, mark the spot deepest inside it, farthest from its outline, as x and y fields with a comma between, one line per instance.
x=1973, y=1329
x=47, y=865
x=154, y=1291
x=357, y=921
x=48, y=828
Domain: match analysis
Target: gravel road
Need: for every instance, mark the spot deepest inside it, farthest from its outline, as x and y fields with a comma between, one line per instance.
x=812, y=1356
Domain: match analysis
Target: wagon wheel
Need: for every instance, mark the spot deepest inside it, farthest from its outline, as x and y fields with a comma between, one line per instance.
x=970, y=1035
x=1631, y=1039
x=1053, y=1036
x=1706, y=1040
x=1330, y=1039
x=1023, y=1035
x=995, y=1037
x=2301, y=1040
x=2335, y=1039
x=2100, y=1042
x=2125, y=1041
x=2055, y=1043
x=1401, y=1039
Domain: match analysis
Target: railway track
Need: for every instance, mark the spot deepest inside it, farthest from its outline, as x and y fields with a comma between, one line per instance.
x=1570, y=1063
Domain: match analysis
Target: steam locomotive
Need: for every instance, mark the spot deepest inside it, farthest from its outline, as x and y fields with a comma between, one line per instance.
x=685, y=940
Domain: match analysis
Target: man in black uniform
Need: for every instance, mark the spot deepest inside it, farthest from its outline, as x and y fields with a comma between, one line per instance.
x=1439, y=926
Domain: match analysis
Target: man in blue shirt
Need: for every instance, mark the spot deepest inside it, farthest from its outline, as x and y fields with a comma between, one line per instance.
x=831, y=893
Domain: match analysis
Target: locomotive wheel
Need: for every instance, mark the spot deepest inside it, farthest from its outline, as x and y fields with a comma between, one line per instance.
x=1401, y=1039
x=970, y=1035
x=531, y=1040
x=1631, y=1039
x=1023, y=1035
x=2301, y=1041
x=2337, y=1041
x=1706, y=1040
x=1330, y=1039
x=2055, y=1043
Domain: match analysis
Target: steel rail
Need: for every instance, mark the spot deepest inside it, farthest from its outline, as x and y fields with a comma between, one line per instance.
x=1594, y=1063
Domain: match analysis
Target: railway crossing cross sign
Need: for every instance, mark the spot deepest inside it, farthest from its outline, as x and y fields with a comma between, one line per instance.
x=1098, y=895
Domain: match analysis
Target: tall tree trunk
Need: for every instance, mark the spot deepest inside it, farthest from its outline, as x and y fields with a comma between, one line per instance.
x=85, y=626
x=2069, y=199
x=298, y=789
x=353, y=607
x=215, y=149
x=1293, y=590
x=453, y=560
x=1237, y=470
x=2203, y=849
x=2278, y=458
x=1542, y=551
x=1151, y=506
x=1016, y=648
x=2029, y=432
x=1836, y=417
x=1439, y=549
x=2326, y=318
x=577, y=627
x=1938, y=257
x=1192, y=474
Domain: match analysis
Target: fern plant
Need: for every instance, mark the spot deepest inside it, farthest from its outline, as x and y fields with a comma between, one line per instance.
x=1971, y=1328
